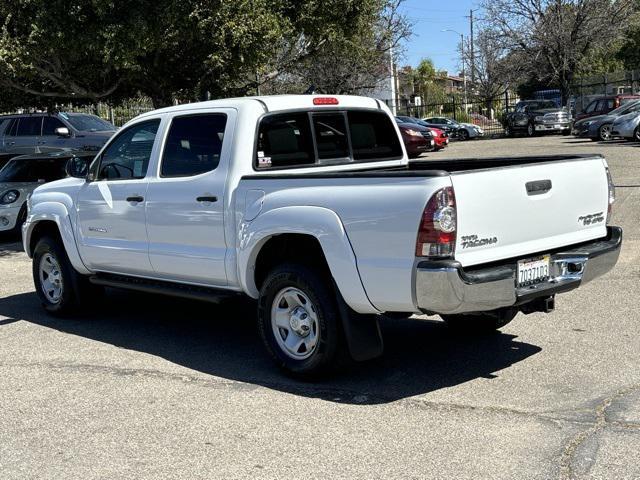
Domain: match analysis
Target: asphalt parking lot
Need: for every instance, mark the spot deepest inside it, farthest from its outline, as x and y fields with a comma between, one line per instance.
x=150, y=387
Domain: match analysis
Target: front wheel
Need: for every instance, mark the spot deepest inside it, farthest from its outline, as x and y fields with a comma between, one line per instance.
x=604, y=132
x=636, y=134
x=486, y=322
x=463, y=135
x=531, y=130
x=508, y=131
x=299, y=320
x=60, y=288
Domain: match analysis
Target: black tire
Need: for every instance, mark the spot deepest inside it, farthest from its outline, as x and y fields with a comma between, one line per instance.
x=463, y=134
x=486, y=322
x=76, y=290
x=22, y=217
x=531, y=130
x=508, y=131
x=604, y=132
x=636, y=134
x=330, y=349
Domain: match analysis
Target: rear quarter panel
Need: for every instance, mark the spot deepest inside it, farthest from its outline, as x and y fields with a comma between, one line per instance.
x=380, y=217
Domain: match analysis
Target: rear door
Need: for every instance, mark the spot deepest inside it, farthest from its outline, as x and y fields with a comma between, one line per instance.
x=185, y=200
x=27, y=136
x=523, y=209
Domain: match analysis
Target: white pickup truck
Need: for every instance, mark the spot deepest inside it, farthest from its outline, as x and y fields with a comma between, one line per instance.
x=308, y=204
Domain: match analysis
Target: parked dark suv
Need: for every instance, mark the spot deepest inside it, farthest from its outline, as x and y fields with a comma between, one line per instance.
x=43, y=133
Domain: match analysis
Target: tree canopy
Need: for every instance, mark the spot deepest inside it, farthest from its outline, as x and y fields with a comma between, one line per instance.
x=92, y=50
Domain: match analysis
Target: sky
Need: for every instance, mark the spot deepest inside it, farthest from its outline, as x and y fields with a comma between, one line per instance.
x=429, y=18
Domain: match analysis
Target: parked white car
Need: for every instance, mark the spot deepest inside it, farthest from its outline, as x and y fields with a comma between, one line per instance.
x=21, y=175
x=627, y=126
x=308, y=204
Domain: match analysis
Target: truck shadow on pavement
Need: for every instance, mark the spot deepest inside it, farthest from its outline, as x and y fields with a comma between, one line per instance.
x=420, y=356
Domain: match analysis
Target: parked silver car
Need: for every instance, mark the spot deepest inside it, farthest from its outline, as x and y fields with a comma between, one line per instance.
x=627, y=126
x=22, y=175
x=43, y=132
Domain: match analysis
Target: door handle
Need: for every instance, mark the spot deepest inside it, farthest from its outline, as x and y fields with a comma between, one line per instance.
x=207, y=199
x=135, y=198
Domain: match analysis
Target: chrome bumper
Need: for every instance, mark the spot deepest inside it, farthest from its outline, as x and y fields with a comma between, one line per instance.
x=445, y=287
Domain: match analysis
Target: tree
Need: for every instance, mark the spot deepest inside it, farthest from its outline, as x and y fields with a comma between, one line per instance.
x=357, y=64
x=428, y=82
x=94, y=49
x=555, y=36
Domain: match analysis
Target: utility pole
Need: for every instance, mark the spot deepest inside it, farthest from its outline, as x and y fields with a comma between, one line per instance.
x=464, y=73
x=471, y=52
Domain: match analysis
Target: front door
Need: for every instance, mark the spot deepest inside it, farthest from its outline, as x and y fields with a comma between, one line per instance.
x=185, y=201
x=111, y=208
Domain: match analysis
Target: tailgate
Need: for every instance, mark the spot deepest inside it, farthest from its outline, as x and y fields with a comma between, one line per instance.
x=517, y=210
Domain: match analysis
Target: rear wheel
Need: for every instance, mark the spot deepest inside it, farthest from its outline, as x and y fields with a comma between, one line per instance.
x=636, y=134
x=604, y=132
x=299, y=320
x=463, y=134
x=485, y=322
x=60, y=288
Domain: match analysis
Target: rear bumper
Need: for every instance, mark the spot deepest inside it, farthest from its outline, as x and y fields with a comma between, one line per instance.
x=445, y=287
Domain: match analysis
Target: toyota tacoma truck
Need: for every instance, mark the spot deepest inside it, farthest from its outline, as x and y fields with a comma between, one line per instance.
x=308, y=205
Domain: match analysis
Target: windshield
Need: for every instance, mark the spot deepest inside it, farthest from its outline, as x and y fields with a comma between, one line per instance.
x=32, y=171
x=626, y=108
x=541, y=105
x=88, y=123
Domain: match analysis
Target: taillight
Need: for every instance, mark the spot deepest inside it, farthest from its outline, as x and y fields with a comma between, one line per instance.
x=612, y=191
x=437, y=233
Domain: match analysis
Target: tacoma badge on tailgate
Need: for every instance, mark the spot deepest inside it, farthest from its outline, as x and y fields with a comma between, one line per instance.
x=471, y=241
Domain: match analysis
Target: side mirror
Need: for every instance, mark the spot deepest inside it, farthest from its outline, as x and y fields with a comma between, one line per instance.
x=62, y=132
x=77, y=167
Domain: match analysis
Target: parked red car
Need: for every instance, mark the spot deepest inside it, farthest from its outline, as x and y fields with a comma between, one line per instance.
x=440, y=138
x=417, y=139
x=603, y=105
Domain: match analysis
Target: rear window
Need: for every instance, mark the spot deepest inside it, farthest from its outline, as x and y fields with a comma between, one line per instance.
x=300, y=139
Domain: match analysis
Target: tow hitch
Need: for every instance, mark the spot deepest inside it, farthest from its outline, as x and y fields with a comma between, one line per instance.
x=542, y=304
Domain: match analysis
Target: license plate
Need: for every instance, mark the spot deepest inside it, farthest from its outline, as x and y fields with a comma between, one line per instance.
x=532, y=271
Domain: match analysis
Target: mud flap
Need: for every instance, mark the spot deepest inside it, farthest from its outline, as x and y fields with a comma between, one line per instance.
x=361, y=331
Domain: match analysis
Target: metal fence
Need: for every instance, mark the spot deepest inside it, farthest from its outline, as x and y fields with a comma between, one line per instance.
x=118, y=114
x=618, y=83
x=487, y=114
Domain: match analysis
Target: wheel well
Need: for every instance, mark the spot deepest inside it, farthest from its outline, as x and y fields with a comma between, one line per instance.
x=43, y=228
x=289, y=247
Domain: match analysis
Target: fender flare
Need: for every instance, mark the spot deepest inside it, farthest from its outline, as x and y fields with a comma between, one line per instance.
x=319, y=222
x=55, y=212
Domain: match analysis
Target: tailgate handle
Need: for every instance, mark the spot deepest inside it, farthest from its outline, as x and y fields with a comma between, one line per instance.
x=538, y=187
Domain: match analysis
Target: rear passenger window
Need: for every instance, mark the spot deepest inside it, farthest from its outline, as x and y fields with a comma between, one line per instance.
x=193, y=145
x=29, y=127
x=373, y=136
x=284, y=140
x=12, y=127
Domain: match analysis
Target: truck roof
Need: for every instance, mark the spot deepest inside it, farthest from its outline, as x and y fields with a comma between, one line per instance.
x=272, y=103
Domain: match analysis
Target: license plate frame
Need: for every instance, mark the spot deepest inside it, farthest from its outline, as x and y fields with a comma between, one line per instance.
x=533, y=271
